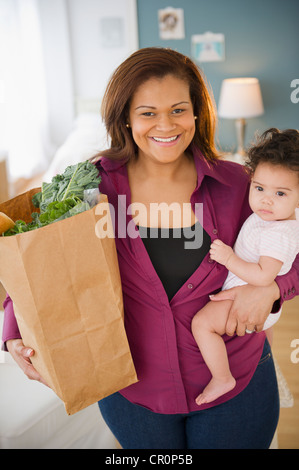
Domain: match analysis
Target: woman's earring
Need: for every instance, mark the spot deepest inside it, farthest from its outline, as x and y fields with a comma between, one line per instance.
x=195, y=117
x=127, y=125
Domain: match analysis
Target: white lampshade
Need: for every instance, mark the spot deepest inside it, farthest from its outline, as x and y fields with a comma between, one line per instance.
x=240, y=98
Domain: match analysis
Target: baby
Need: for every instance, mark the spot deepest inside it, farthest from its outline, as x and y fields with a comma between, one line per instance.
x=266, y=247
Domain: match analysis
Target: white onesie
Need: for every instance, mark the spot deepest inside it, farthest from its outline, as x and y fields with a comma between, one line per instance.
x=257, y=237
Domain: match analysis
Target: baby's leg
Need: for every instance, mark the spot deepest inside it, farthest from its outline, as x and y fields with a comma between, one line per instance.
x=207, y=327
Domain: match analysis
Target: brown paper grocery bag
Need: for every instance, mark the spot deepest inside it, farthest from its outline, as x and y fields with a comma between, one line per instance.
x=65, y=286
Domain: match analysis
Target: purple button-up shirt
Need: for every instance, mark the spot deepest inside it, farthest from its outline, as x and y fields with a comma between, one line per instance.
x=169, y=365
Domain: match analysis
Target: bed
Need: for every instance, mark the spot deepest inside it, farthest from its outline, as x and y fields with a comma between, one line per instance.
x=33, y=417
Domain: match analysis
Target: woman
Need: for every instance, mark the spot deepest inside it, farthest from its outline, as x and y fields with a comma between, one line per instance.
x=161, y=122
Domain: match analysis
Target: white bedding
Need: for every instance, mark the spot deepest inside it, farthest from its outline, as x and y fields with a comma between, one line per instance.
x=33, y=417
x=87, y=138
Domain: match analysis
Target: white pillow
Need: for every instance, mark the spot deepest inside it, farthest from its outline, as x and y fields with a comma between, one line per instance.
x=87, y=138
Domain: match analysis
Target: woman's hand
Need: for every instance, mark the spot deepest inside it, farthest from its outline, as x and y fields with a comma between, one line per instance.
x=22, y=355
x=250, y=308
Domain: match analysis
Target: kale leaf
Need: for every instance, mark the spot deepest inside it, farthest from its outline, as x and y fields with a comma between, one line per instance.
x=73, y=182
x=62, y=198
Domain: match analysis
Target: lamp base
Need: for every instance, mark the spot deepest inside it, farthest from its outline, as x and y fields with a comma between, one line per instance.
x=240, y=130
x=239, y=157
x=234, y=157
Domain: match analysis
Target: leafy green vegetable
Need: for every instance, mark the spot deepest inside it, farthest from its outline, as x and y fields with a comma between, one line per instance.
x=73, y=182
x=62, y=198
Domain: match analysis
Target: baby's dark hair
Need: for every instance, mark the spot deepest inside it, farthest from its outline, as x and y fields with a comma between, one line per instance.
x=277, y=148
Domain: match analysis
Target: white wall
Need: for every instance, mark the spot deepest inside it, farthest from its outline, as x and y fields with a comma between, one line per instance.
x=58, y=66
x=79, y=56
x=94, y=56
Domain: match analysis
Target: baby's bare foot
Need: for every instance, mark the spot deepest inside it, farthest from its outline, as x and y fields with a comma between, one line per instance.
x=216, y=388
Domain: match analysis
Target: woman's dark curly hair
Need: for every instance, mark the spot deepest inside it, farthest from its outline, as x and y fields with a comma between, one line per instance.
x=275, y=147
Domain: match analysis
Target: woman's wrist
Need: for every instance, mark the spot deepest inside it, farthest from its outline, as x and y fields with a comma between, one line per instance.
x=276, y=291
x=276, y=298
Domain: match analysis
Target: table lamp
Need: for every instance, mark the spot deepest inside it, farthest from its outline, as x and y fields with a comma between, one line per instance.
x=240, y=99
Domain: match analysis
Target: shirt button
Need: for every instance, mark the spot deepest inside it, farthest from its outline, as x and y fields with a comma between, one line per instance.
x=215, y=231
x=190, y=286
x=210, y=260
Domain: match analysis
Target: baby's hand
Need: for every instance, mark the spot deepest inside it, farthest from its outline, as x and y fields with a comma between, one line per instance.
x=220, y=252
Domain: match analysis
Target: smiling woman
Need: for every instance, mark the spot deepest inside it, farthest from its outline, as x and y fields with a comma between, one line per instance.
x=154, y=65
x=164, y=127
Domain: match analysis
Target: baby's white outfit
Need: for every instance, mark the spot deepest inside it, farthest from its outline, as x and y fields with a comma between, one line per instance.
x=276, y=239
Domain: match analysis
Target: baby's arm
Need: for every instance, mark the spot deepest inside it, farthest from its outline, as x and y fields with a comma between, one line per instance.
x=256, y=274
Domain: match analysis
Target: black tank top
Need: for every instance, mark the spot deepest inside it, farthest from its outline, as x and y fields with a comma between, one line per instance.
x=173, y=260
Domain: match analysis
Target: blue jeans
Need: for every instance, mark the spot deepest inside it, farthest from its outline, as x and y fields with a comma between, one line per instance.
x=248, y=421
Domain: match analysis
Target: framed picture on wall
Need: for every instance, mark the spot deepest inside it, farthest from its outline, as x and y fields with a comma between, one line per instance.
x=171, y=23
x=208, y=47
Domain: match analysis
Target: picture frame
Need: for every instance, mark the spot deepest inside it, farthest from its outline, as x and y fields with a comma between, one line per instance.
x=171, y=23
x=208, y=47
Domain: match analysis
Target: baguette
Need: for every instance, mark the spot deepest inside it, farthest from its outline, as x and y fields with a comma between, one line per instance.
x=5, y=223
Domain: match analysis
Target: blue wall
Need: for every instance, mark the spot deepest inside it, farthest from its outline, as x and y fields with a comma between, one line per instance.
x=261, y=40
